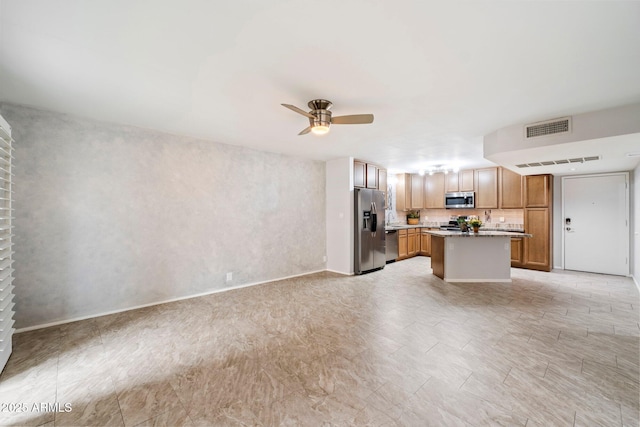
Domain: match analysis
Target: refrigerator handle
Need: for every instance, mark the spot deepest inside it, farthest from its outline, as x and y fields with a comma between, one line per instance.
x=374, y=218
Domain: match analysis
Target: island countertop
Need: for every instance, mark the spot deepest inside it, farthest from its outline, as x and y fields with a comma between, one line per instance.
x=512, y=228
x=447, y=233
x=486, y=255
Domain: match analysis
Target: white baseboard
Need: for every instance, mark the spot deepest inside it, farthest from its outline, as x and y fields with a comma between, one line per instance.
x=215, y=291
x=635, y=280
x=339, y=272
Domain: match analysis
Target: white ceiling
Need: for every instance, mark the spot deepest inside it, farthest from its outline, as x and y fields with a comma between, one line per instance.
x=438, y=76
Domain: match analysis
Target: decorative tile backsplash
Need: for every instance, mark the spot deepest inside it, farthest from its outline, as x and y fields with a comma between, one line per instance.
x=493, y=218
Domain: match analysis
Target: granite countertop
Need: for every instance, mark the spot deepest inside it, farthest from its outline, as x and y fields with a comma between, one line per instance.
x=437, y=225
x=446, y=233
x=407, y=226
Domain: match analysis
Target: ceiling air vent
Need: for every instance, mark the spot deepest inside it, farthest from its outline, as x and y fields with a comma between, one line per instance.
x=558, y=162
x=550, y=127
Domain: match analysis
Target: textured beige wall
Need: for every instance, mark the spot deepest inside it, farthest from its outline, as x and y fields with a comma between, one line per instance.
x=110, y=217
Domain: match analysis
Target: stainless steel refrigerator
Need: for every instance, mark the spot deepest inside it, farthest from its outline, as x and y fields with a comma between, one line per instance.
x=369, y=239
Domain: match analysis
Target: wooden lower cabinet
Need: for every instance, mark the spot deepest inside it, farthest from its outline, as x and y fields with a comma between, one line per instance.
x=537, y=249
x=425, y=243
x=517, y=252
x=409, y=243
x=403, y=250
x=412, y=242
x=437, y=255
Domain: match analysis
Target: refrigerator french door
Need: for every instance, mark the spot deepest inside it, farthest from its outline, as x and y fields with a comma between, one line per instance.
x=369, y=239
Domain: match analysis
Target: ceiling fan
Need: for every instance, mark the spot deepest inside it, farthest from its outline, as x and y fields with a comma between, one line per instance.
x=320, y=117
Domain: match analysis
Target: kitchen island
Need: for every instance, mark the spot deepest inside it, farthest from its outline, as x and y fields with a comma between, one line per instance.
x=472, y=257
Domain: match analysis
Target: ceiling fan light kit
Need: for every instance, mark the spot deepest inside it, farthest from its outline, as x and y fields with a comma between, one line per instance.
x=320, y=118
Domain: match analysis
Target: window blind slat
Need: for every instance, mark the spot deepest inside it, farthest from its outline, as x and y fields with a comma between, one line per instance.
x=6, y=242
x=5, y=278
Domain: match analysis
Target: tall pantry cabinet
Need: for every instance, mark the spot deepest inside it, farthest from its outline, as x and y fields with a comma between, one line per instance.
x=538, y=212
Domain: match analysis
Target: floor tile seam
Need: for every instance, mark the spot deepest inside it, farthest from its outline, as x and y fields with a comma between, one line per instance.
x=483, y=399
x=157, y=415
x=115, y=393
x=625, y=378
x=576, y=398
x=501, y=401
x=498, y=405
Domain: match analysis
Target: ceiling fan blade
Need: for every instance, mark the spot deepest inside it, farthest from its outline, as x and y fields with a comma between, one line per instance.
x=355, y=119
x=299, y=111
x=305, y=130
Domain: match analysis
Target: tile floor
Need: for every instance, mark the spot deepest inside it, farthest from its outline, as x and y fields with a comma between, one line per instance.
x=395, y=347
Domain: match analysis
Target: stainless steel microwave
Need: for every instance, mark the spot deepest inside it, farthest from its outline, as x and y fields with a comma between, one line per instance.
x=463, y=200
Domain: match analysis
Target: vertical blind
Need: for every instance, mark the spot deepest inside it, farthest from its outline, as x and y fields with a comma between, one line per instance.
x=6, y=242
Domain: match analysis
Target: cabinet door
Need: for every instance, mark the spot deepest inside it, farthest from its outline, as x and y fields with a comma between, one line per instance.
x=537, y=249
x=411, y=244
x=465, y=180
x=486, y=181
x=537, y=191
x=417, y=199
x=382, y=180
x=372, y=176
x=403, y=250
x=510, y=189
x=434, y=191
x=403, y=192
x=425, y=244
x=451, y=183
x=359, y=174
x=516, y=252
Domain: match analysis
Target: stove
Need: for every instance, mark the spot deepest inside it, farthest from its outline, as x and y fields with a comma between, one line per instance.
x=452, y=226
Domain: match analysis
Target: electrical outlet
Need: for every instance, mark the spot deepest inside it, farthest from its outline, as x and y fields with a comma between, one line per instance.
x=501, y=219
x=324, y=258
x=229, y=276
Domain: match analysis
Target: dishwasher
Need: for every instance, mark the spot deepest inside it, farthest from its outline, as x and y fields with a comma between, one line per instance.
x=391, y=238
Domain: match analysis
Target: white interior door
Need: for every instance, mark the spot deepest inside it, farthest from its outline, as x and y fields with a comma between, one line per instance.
x=596, y=223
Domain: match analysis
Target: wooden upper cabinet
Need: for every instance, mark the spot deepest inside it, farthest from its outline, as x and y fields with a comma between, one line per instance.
x=451, y=183
x=372, y=176
x=417, y=194
x=461, y=181
x=510, y=189
x=359, y=174
x=537, y=191
x=369, y=175
x=486, y=184
x=382, y=180
x=403, y=192
x=465, y=180
x=434, y=191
